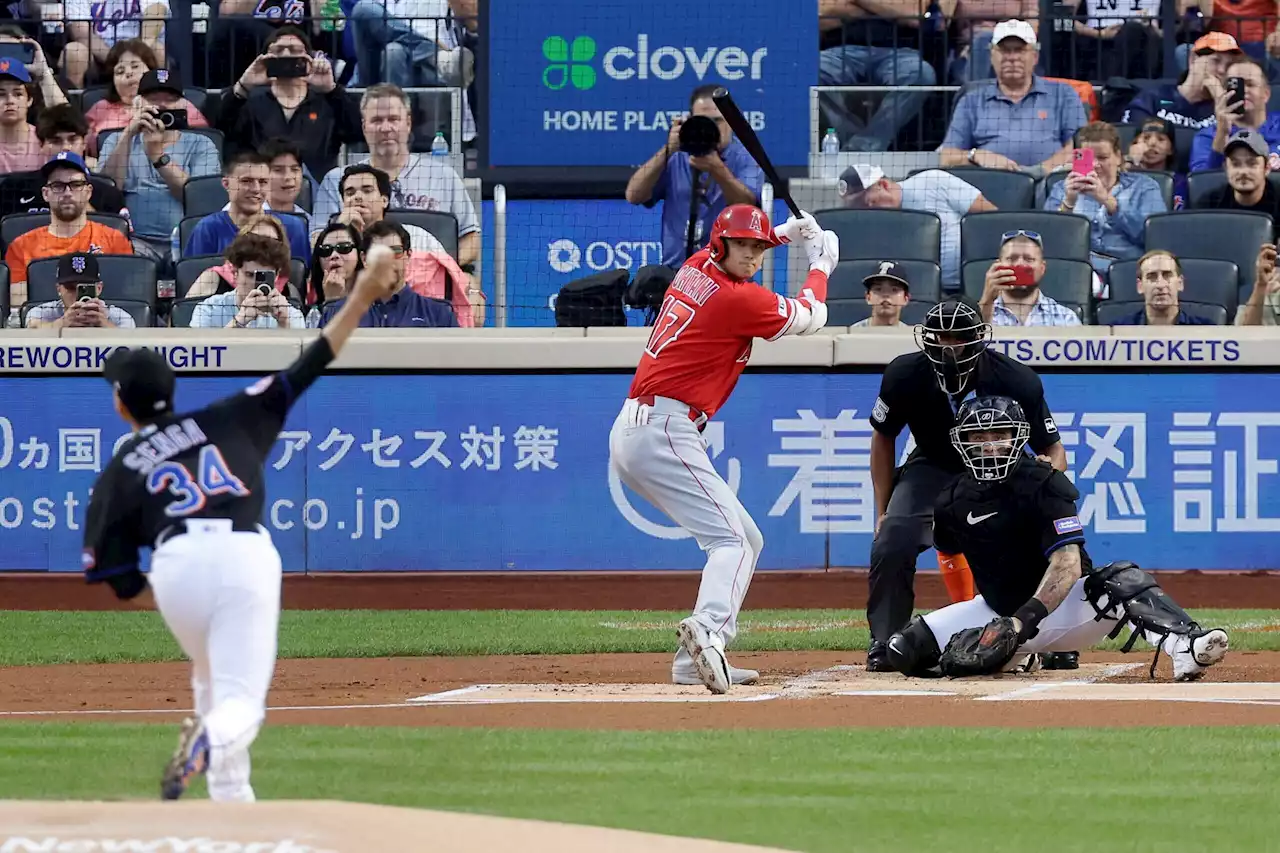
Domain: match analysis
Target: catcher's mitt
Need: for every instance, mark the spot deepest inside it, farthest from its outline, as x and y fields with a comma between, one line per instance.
x=980, y=651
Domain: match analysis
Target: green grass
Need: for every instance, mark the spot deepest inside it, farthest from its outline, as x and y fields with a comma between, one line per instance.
x=114, y=637
x=838, y=790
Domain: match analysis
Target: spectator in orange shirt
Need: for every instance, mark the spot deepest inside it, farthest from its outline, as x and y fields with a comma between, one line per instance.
x=1250, y=22
x=67, y=191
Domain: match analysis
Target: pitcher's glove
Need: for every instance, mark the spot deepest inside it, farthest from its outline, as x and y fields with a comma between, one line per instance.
x=981, y=651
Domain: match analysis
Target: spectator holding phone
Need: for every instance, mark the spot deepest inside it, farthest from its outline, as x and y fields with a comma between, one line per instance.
x=1116, y=203
x=222, y=278
x=1189, y=102
x=19, y=147
x=255, y=302
x=126, y=63
x=288, y=93
x=1011, y=291
x=152, y=158
x=1241, y=105
x=98, y=26
x=79, y=304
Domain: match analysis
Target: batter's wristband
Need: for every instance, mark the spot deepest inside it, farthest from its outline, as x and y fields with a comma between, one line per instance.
x=1030, y=615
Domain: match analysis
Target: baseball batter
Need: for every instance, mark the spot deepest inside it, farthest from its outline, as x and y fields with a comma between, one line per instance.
x=191, y=487
x=1012, y=519
x=699, y=346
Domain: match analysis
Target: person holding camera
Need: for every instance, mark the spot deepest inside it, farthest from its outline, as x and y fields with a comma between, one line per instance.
x=1240, y=105
x=698, y=172
x=286, y=92
x=254, y=303
x=152, y=158
x=1011, y=291
x=79, y=305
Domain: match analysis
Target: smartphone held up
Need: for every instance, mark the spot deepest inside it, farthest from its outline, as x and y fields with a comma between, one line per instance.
x=1082, y=161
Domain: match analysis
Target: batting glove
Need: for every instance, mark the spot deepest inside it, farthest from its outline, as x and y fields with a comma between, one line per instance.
x=823, y=252
x=795, y=228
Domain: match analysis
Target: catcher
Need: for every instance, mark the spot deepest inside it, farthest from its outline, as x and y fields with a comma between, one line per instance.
x=1012, y=519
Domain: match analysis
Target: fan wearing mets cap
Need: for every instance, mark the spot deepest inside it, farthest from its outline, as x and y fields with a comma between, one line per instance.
x=190, y=486
x=699, y=346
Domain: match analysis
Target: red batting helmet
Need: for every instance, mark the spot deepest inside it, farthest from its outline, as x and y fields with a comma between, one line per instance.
x=740, y=221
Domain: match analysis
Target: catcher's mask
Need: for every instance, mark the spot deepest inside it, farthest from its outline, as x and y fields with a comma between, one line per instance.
x=990, y=435
x=952, y=336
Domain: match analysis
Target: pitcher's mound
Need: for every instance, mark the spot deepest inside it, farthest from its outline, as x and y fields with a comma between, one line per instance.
x=311, y=826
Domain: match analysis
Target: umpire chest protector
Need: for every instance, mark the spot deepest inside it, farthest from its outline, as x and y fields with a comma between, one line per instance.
x=1008, y=529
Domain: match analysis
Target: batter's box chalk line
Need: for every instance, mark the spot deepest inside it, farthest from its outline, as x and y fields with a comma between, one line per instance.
x=527, y=694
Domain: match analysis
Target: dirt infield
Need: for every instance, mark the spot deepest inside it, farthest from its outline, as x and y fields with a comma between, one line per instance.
x=797, y=690
x=601, y=591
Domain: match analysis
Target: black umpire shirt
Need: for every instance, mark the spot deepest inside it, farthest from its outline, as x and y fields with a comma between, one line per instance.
x=202, y=464
x=1007, y=530
x=910, y=397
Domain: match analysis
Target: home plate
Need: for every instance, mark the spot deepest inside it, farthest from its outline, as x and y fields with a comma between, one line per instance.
x=515, y=694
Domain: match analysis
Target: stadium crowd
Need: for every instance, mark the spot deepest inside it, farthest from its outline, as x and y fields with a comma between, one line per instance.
x=250, y=201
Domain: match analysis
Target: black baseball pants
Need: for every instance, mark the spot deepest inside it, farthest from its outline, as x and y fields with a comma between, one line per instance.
x=906, y=532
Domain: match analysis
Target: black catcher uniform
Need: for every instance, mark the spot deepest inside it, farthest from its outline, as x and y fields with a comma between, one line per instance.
x=922, y=392
x=1013, y=519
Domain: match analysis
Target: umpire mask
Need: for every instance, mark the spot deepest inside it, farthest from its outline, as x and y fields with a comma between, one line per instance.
x=953, y=336
x=990, y=435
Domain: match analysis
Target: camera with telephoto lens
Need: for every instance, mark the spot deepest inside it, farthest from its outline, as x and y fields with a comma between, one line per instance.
x=699, y=136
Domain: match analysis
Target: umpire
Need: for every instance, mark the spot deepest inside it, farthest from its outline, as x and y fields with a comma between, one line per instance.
x=923, y=391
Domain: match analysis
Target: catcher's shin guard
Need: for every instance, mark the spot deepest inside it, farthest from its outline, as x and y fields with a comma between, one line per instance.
x=1121, y=590
x=914, y=650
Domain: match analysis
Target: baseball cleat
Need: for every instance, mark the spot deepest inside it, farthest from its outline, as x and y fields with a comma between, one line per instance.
x=1025, y=664
x=1202, y=650
x=878, y=658
x=689, y=675
x=190, y=759
x=707, y=651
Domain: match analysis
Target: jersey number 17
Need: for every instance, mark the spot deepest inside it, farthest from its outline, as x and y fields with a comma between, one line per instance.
x=190, y=494
x=673, y=318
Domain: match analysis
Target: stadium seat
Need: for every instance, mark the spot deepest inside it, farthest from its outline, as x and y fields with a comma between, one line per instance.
x=1068, y=282
x=90, y=96
x=846, y=312
x=1225, y=235
x=189, y=269
x=1200, y=184
x=15, y=225
x=199, y=98
x=900, y=235
x=203, y=196
x=1065, y=235
x=441, y=224
x=1205, y=280
x=1006, y=190
x=297, y=278
x=846, y=280
x=1164, y=179
x=1109, y=312
x=185, y=228
x=181, y=310
x=305, y=201
x=4, y=295
x=127, y=277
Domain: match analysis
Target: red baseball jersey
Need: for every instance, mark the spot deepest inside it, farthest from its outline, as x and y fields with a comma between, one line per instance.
x=702, y=337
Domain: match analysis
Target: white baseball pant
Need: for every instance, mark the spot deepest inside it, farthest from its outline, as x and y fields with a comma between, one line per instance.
x=660, y=454
x=219, y=592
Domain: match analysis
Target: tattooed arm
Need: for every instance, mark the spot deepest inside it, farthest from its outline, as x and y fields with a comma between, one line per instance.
x=1064, y=570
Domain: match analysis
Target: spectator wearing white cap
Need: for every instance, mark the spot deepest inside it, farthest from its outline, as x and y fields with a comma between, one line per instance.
x=932, y=191
x=888, y=292
x=1018, y=121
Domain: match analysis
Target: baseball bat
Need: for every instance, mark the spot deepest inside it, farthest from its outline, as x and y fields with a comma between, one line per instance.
x=738, y=122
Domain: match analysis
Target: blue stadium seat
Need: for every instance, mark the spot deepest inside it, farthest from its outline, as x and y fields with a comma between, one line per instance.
x=846, y=280
x=439, y=223
x=1225, y=235
x=203, y=195
x=124, y=277
x=1006, y=190
x=1065, y=235
x=1204, y=280
x=1109, y=312
x=900, y=235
